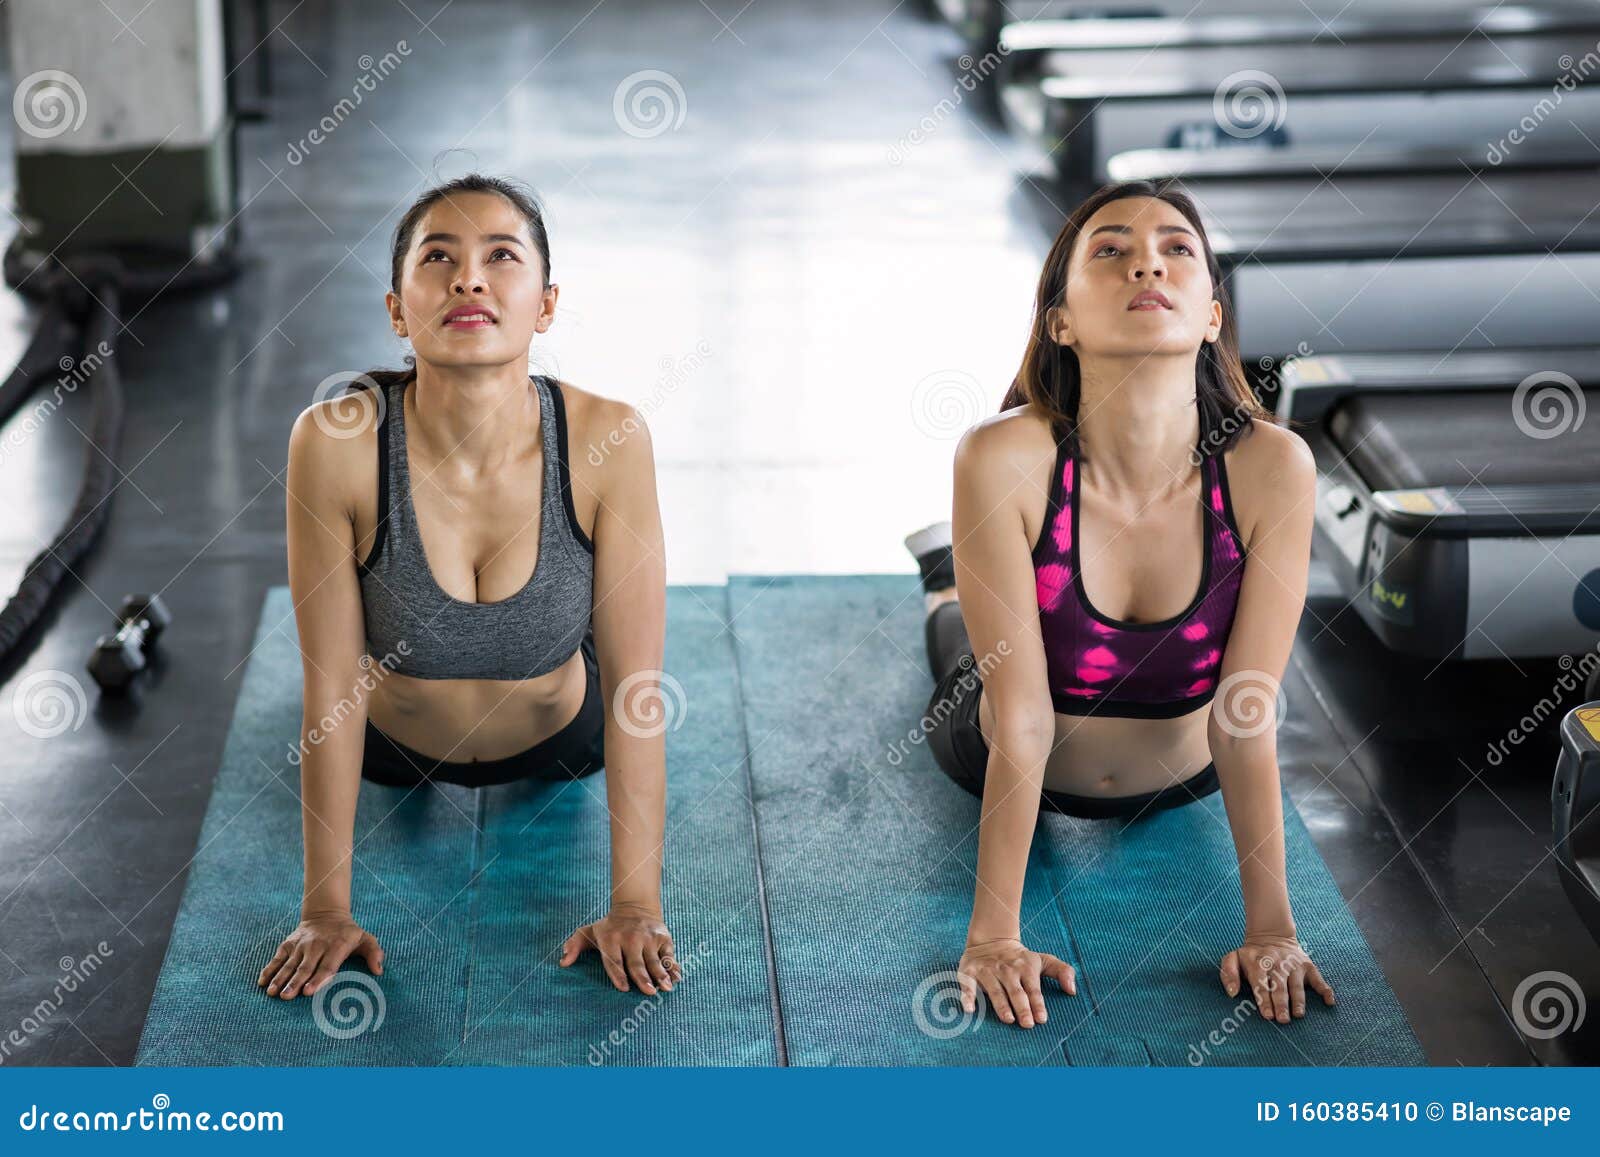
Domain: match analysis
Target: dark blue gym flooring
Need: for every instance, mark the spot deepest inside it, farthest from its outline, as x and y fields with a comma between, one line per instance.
x=826, y=282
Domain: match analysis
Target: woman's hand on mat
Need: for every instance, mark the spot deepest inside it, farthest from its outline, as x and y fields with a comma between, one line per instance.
x=1009, y=973
x=1277, y=970
x=632, y=941
x=313, y=952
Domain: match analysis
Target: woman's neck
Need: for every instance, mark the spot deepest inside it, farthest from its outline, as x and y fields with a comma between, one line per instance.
x=476, y=416
x=1139, y=422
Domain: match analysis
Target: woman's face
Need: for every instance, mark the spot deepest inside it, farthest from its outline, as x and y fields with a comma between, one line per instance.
x=472, y=250
x=1128, y=248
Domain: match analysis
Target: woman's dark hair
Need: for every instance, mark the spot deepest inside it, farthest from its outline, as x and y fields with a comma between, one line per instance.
x=523, y=199
x=1050, y=377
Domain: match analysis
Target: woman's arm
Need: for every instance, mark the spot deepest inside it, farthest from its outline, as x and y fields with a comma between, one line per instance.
x=327, y=601
x=1242, y=728
x=630, y=614
x=995, y=470
x=327, y=604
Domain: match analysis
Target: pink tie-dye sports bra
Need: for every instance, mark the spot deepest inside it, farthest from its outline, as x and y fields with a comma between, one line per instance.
x=1103, y=666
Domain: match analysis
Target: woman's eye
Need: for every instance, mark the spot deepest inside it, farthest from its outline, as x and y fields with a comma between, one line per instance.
x=1113, y=248
x=504, y=250
x=432, y=253
x=1185, y=248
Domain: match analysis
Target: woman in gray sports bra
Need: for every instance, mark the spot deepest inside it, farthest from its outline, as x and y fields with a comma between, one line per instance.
x=448, y=620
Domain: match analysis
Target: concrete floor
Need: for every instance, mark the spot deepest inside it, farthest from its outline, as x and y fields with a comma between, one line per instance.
x=813, y=307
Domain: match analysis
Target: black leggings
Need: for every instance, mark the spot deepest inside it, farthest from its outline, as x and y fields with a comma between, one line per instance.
x=962, y=753
x=575, y=751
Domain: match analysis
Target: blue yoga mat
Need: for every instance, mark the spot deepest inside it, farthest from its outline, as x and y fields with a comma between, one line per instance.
x=869, y=853
x=471, y=892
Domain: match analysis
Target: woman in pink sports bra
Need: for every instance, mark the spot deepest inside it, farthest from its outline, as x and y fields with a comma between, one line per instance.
x=1108, y=657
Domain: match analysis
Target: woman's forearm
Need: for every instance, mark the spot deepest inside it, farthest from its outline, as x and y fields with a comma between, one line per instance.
x=1010, y=812
x=330, y=781
x=636, y=796
x=1251, y=792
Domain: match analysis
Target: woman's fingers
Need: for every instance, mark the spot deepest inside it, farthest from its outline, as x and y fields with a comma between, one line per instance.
x=285, y=971
x=272, y=965
x=1230, y=973
x=969, y=991
x=1297, y=991
x=330, y=965
x=1314, y=978
x=1020, y=1004
x=994, y=987
x=577, y=944
x=633, y=953
x=372, y=952
x=1059, y=971
x=308, y=962
x=1035, y=998
x=656, y=956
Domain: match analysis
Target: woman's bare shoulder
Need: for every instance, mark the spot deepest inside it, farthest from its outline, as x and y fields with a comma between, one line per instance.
x=1004, y=445
x=333, y=448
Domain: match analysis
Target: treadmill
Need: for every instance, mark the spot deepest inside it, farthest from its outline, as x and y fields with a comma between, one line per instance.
x=1575, y=804
x=1059, y=97
x=1458, y=495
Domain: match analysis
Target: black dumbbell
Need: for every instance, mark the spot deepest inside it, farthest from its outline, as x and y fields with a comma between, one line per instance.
x=118, y=658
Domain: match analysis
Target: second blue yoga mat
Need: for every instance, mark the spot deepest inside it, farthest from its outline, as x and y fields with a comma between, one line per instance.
x=869, y=853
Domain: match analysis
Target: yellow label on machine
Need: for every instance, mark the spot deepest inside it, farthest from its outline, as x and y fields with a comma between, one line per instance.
x=1590, y=718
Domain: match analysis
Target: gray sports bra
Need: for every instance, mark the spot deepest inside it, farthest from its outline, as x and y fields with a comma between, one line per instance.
x=528, y=634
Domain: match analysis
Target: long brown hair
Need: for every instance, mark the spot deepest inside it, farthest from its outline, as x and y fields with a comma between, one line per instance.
x=1050, y=377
